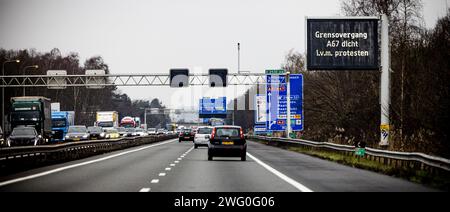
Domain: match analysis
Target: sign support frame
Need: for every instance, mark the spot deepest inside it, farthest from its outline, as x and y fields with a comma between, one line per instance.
x=288, y=105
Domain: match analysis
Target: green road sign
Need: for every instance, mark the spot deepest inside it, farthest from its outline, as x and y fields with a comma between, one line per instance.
x=275, y=72
x=360, y=152
x=293, y=135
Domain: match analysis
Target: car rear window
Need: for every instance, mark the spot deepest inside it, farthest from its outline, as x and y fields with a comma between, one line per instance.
x=227, y=132
x=23, y=131
x=111, y=130
x=204, y=131
x=94, y=129
x=77, y=129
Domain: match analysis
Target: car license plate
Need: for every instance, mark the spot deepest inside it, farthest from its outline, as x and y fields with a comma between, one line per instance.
x=76, y=139
x=228, y=143
x=186, y=137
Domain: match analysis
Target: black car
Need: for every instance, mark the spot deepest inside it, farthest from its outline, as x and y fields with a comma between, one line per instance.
x=227, y=141
x=24, y=136
x=96, y=133
x=131, y=132
x=186, y=135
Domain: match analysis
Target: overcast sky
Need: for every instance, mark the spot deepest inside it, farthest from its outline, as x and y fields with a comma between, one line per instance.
x=152, y=36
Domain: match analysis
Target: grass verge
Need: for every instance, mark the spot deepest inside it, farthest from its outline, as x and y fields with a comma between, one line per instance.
x=439, y=180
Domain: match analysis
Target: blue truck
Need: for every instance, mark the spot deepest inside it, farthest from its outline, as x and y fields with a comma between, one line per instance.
x=60, y=124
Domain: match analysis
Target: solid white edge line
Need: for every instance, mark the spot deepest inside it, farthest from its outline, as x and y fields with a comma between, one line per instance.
x=79, y=164
x=289, y=180
x=144, y=190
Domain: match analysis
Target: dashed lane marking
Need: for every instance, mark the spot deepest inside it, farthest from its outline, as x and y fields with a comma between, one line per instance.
x=80, y=164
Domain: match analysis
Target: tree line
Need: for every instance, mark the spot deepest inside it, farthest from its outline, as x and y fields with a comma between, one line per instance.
x=344, y=107
x=85, y=102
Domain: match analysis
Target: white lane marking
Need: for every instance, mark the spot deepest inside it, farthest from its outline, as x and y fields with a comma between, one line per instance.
x=172, y=164
x=144, y=190
x=162, y=174
x=155, y=181
x=179, y=158
x=289, y=180
x=79, y=164
x=168, y=169
x=176, y=161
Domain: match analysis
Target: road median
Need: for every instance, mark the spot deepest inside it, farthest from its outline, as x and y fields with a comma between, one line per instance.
x=18, y=159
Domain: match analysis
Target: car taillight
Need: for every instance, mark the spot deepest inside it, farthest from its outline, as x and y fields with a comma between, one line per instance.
x=242, y=133
x=213, y=133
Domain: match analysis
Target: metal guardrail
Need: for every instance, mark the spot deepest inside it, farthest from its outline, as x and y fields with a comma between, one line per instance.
x=29, y=156
x=388, y=157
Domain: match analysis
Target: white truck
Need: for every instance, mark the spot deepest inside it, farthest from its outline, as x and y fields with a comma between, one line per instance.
x=107, y=119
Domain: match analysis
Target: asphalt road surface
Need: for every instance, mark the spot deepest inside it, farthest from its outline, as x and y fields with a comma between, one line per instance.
x=177, y=167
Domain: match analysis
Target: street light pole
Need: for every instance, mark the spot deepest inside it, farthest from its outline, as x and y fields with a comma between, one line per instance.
x=239, y=58
x=235, y=90
x=145, y=118
x=3, y=92
x=24, y=71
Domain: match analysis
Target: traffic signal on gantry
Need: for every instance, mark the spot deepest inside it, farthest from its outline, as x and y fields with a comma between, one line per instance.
x=179, y=78
x=218, y=77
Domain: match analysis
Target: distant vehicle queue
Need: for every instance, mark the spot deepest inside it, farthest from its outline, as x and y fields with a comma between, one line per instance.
x=34, y=123
x=221, y=140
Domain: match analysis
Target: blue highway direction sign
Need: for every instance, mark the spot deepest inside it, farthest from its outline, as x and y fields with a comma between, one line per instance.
x=277, y=102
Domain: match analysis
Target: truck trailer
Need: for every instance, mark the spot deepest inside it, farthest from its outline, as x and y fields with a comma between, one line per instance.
x=107, y=119
x=32, y=111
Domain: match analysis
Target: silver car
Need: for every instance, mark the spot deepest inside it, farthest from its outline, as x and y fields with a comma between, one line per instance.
x=152, y=131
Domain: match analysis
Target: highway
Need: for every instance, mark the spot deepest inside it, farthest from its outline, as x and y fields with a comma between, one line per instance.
x=171, y=166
